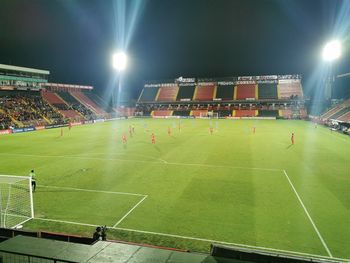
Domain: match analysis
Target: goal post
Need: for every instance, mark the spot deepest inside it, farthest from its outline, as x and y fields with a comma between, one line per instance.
x=16, y=200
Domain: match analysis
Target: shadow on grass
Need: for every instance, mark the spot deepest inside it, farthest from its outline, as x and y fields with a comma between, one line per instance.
x=290, y=145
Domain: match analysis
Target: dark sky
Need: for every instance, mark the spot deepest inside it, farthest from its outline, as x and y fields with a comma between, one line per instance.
x=74, y=39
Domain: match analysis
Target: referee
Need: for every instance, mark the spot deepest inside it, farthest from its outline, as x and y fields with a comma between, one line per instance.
x=33, y=176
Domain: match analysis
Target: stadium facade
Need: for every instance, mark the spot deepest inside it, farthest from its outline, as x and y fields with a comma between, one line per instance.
x=243, y=96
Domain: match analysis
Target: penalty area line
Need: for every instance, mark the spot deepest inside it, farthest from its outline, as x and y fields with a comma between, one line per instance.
x=90, y=190
x=132, y=209
x=308, y=216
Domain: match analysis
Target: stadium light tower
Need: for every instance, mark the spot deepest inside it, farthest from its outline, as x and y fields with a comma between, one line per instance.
x=330, y=53
x=119, y=61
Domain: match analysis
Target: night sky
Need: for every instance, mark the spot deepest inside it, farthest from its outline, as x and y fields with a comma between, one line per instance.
x=191, y=38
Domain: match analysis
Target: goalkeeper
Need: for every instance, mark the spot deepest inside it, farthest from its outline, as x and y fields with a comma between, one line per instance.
x=33, y=177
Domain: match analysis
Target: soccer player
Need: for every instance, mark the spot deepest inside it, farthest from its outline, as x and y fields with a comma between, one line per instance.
x=254, y=128
x=133, y=128
x=169, y=131
x=33, y=176
x=69, y=125
x=292, y=138
x=153, y=137
x=211, y=130
x=130, y=131
x=124, y=140
x=61, y=132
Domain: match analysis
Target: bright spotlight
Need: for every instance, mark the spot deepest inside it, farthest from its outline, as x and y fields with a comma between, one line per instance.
x=331, y=50
x=119, y=61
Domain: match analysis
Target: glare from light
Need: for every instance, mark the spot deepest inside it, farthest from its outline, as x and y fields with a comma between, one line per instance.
x=119, y=61
x=331, y=51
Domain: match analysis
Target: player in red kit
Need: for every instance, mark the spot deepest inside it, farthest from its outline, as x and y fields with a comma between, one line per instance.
x=124, y=140
x=153, y=137
x=292, y=138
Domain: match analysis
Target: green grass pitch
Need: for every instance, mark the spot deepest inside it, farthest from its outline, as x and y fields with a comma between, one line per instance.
x=192, y=188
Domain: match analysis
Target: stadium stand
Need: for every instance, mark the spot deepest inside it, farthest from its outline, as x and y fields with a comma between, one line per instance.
x=100, y=102
x=26, y=109
x=287, y=114
x=245, y=91
x=289, y=89
x=268, y=113
x=345, y=117
x=339, y=113
x=267, y=91
x=333, y=111
x=67, y=97
x=183, y=113
x=87, y=102
x=224, y=113
x=204, y=93
x=161, y=113
x=125, y=111
x=225, y=95
x=75, y=105
x=168, y=93
x=185, y=93
x=224, y=92
x=149, y=94
x=198, y=113
x=52, y=98
x=5, y=120
x=244, y=113
x=56, y=101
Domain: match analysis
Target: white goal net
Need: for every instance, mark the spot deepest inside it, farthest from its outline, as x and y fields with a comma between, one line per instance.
x=16, y=200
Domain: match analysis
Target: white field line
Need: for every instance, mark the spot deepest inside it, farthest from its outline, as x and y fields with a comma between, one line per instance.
x=140, y=161
x=132, y=209
x=308, y=215
x=197, y=239
x=90, y=190
x=123, y=154
x=65, y=222
x=24, y=221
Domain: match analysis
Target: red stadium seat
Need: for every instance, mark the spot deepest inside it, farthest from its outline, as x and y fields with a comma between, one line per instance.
x=204, y=93
x=245, y=91
x=245, y=113
x=52, y=98
x=197, y=113
x=168, y=93
x=161, y=113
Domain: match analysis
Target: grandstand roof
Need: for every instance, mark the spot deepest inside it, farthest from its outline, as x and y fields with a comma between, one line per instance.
x=24, y=69
x=101, y=251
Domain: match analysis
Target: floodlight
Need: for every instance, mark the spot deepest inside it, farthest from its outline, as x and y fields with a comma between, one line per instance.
x=331, y=50
x=119, y=61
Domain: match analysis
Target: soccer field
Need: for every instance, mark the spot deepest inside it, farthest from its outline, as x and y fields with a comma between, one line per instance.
x=192, y=188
